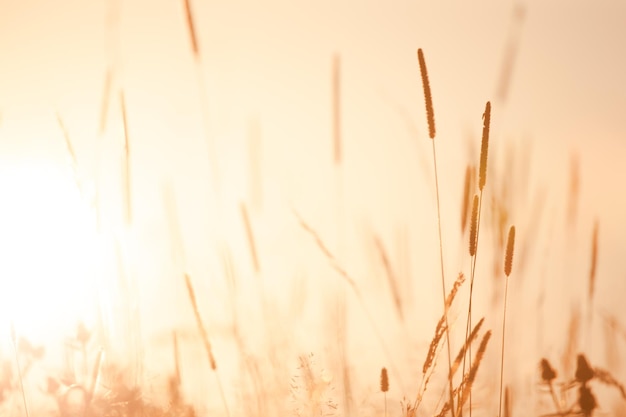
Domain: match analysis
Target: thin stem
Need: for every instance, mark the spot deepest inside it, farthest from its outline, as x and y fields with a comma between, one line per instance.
x=506, y=289
x=19, y=369
x=469, y=310
x=222, y=395
x=443, y=282
x=554, y=399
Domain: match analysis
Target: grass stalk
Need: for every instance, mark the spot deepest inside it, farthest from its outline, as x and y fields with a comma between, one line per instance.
x=204, y=101
x=205, y=340
x=508, y=265
x=592, y=282
x=430, y=116
x=250, y=237
x=19, y=369
x=126, y=166
x=475, y=227
x=336, y=81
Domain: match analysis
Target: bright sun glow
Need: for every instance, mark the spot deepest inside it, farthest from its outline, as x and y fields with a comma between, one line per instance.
x=47, y=249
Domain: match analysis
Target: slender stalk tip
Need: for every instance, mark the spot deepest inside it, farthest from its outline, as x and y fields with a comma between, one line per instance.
x=510, y=246
x=484, y=147
x=430, y=114
x=192, y=28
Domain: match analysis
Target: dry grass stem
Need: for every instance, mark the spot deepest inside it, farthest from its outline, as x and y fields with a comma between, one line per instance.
x=71, y=153
x=468, y=341
x=484, y=147
x=594, y=261
x=431, y=130
x=104, y=106
x=333, y=261
x=19, y=369
x=204, y=101
x=391, y=277
x=510, y=53
x=191, y=27
x=460, y=279
x=473, y=236
x=573, y=338
x=466, y=385
x=68, y=142
x=336, y=75
x=467, y=188
x=508, y=264
x=201, y=328
x=507, y=402
x=441, y=326
x=430, y=114
x=205, y=340
x=434, y=344
x=254, y=164
x=176, y=357
x=127, y=173
x=605, y=377
x=250, y=236
x=574, y=191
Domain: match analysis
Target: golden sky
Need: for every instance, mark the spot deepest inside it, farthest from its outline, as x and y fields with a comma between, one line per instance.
x=266, y=76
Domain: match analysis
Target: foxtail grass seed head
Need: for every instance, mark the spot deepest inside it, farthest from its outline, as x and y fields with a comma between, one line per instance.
x=470, y=377
x=583, y=370
x=548, y=374
x=586, y=400
x=510, y=246
x=455, y=288
x=430, y=114
x=474, y=227
x=484, y=147
x=434, y=344
x=384, y=380
x=466, y=346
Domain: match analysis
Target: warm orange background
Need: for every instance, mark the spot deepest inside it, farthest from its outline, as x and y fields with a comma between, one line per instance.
x=266, y=67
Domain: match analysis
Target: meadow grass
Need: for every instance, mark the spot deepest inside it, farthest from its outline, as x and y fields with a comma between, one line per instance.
x=100, y=388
